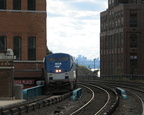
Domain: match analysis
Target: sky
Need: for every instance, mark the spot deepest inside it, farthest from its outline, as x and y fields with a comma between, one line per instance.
x=73, y=26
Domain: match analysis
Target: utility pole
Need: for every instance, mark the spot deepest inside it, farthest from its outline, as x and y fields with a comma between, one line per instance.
x=94, y=63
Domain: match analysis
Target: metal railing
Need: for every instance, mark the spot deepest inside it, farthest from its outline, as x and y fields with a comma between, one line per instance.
x=33, y=92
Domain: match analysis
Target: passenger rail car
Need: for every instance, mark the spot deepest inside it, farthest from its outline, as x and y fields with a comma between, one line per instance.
x=60, y=71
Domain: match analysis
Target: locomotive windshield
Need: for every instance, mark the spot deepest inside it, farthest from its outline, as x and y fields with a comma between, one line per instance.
x=58, y=59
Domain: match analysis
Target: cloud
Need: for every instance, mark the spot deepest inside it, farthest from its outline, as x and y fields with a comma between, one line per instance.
x=73, y=26
x=86, y=5
x=74, y=7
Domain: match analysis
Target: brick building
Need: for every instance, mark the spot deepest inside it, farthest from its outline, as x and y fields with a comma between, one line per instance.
x=6, y=75
x=121, y=38
x=23, y=29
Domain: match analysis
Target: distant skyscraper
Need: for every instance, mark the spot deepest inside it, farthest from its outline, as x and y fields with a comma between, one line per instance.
x=122, y=38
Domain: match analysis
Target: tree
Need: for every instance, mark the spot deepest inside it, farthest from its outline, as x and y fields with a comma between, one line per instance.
x=48, y=51
x=118, y=70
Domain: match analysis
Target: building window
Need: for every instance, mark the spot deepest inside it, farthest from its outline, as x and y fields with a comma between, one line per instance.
x=123, y=1
x=2, y=4
x=135, y=1
x=3, y=45
x=31, y=5
x=16, y=4
x=133, y=40
x=17, y=47
x=109, y=2
x=133, y=63
x=133, y=18
x=31, y=48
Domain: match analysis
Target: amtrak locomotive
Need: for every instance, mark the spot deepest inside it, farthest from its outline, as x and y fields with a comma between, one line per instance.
x=60, y=71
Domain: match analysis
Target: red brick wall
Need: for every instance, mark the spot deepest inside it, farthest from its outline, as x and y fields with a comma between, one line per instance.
x=6, y=83
x=28, y=69
x=40, y=5
x=25, y=23
x=108, y=65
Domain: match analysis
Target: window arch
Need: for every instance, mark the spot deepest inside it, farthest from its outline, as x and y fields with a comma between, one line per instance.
x=17, y=47
x=3, y=43
x=2, y=4
x=17, y=4
x=31, y=4
x=31, y=48
x=133, y=18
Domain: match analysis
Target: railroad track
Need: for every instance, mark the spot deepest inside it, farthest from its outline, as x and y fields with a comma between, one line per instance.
x=134, y=105
x=137, y=99
x=85, y=105
x=94, y=101
x=102, y=101
x=99, y=100
x=29, y=106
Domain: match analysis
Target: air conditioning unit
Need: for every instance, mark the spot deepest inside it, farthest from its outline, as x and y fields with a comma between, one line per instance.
x=9, y=52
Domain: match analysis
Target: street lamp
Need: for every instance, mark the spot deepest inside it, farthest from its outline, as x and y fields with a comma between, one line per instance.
x=94, y=63
x=77, y=61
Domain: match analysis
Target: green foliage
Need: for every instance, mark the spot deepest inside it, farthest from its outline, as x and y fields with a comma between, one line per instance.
x=48, y=51
x=82, y=66
x=118, y=71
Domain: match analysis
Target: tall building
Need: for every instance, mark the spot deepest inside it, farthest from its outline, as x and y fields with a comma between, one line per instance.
x=23, y=29
x=122, y=38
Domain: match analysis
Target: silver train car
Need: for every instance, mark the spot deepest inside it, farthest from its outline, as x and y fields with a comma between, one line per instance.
x=60, y=72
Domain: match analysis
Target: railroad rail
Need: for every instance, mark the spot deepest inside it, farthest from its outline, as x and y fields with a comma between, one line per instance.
x=113, y=103
x=85, y=105
x=99, y=105
x=139, y=99
x=33, y=105
x=135, y=91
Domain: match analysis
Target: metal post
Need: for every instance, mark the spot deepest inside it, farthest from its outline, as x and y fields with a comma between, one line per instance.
x=94, y=63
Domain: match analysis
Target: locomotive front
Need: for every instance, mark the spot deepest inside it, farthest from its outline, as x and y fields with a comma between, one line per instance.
x=60, y=71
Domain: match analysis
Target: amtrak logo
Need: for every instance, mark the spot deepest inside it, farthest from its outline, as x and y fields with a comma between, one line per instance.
x=57, y=65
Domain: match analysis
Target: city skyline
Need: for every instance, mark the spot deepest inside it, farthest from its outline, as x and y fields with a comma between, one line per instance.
x=89, y=63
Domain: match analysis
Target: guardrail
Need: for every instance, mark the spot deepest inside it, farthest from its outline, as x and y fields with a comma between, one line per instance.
x=121, y=92
x=32, y=92
x=76, y=94
x=122, y=77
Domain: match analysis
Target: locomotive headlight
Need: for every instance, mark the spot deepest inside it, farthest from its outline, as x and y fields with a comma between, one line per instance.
x=58, y=70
